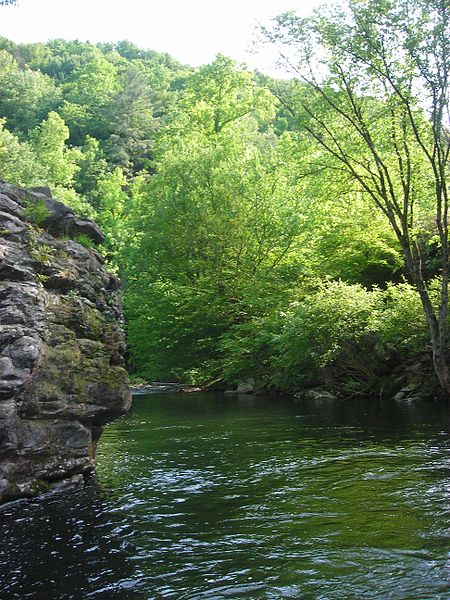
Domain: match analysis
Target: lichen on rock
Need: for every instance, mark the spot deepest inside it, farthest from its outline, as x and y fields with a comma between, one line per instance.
x=62, y=373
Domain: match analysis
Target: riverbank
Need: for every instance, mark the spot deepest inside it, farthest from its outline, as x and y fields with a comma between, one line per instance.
x=372, y=375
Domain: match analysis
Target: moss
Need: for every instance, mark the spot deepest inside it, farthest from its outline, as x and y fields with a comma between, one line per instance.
x=59, y=334
x=114, y=377
x=92, y=450
x=39, y=486
x=74, y=313
x=93, y=322
x=69, y=376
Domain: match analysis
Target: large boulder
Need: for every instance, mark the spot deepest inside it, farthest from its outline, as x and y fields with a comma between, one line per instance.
x=62, y=375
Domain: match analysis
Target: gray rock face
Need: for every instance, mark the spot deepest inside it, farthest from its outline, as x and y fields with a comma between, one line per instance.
x=61, y=345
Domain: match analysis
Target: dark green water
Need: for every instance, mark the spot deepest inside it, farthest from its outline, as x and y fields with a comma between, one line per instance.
x=213, y=497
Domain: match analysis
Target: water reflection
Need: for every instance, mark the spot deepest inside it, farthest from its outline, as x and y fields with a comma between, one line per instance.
x=212, y=497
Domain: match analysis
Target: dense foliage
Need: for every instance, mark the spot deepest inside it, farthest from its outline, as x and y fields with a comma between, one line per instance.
x=245, y=247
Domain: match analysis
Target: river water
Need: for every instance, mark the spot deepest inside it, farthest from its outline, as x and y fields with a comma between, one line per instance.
x=204, y=496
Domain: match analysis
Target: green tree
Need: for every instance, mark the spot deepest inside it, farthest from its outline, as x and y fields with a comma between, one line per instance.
x=219, y=94
x=18, y=163
x=48, y=141
x=111, y=205
x=130, y=117
x=87, y=92
x=217, y=244
x=92, y=165
x=26, y=96
x=58, y=163
x=375, y=97
x=58, y=58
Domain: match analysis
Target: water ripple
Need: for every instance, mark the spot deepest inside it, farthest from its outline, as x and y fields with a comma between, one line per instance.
x=205, y=497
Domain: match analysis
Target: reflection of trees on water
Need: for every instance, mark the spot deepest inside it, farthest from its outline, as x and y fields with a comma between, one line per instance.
x=114, y=455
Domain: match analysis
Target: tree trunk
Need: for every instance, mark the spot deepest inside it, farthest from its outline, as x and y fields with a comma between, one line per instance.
x=436, y=324
x=440, y=363
x=438, y=340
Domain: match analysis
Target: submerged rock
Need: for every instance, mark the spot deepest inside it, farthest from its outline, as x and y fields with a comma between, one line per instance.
x=61, y=345
x=316, y=394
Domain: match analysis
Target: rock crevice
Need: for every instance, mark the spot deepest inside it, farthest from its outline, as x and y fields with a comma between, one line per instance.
x=61, y=344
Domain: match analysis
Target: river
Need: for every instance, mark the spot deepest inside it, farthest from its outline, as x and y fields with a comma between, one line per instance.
x=204, y=496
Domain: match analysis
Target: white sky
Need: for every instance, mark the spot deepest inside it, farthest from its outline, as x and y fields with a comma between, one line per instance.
x=193, y=31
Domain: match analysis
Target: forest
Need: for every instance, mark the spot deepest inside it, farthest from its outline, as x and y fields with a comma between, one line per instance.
x=278, y=229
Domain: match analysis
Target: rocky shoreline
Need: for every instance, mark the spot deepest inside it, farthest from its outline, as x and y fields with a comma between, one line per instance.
x=409, y=380
x=158, y=388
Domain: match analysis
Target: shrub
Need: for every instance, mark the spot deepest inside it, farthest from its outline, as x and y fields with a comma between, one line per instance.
x=37, y=213
x=317, y=329
x=398, y=318
x=84, y=240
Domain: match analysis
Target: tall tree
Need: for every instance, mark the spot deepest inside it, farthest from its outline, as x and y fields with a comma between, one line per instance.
x=130, y=117
x=375, y=96
x=48, y=141
x=18, y=163
x=222, y=94
x=216, y=230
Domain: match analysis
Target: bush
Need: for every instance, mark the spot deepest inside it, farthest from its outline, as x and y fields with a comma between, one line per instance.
x=398, y=318
x=340, y=325
x=316, y=330
x=84, y=240
x=174, y=335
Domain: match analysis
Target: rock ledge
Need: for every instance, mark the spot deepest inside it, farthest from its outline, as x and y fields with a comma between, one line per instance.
x=61, y=345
